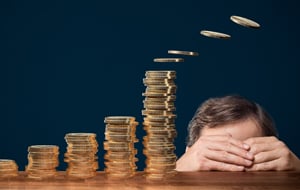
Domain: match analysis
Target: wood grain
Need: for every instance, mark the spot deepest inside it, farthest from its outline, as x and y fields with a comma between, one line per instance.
x=186, y=181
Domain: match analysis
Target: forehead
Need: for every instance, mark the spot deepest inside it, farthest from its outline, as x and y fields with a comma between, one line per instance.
x=241, y=130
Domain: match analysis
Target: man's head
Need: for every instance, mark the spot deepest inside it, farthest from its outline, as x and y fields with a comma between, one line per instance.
x=233, y=115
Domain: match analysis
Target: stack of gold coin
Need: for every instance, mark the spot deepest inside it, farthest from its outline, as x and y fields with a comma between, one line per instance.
x=119, y=145
x=81, y=155
x=159, y=123
x=42, y=161
x=8, y=168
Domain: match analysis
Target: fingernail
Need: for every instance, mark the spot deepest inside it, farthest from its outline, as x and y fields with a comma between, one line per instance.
x=248, y=162
x=241, y=168
x=250, y=155
x=246, y=146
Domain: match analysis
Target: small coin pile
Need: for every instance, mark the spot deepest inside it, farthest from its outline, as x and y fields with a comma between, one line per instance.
x=8, y=168
x=42, y=161
x=81, y=155
x=119, y=145
x=159, y=123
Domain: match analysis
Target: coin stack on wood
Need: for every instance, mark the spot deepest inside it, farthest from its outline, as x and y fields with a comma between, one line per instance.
x=159, y=123
x=119, y=145
x=8, y=168
x=81, y=155
x=42, y=161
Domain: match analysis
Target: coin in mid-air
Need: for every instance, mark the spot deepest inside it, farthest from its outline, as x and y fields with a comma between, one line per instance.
x=213, y=34
x=178, y=52
x=168, y=60
x=244, y=22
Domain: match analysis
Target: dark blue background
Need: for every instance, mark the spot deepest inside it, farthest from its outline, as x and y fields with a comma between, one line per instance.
x=65, y=65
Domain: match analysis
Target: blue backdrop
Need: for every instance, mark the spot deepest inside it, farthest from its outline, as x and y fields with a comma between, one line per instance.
x=65, y=65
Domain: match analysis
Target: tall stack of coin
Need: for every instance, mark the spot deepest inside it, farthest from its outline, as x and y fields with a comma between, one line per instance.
x=119, y=145
x=8, y=168
x=159, y=123
x=81, y=155
x=42, y=161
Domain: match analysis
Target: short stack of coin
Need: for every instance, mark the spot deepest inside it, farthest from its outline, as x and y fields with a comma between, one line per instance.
x=159, y=123
x=42, y=161
x=81, y=155
x=119, y=145
x=8, y=168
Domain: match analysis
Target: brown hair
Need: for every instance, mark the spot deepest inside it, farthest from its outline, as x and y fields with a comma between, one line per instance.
x=218, y=111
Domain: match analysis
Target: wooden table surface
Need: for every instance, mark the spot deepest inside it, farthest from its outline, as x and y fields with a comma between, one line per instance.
x=187, y=180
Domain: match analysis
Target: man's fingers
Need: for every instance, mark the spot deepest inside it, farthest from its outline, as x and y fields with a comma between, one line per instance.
x=221, y=166
x=230, y=148
x=227, y=138
x=266, y=156
x=260, y=140
x=226, y=157
x=264, y=166
x=264, y=144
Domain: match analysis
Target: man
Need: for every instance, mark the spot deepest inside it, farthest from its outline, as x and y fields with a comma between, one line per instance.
x=234, y=134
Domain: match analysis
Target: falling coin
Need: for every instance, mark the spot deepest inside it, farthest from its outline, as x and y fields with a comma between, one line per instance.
x=212, y=34
x=168, y=60
x=177, y=52
x=244, y=22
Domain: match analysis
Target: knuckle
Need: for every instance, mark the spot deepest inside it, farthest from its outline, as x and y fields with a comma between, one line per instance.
x=228, y=146
x=224, y=155
x=281, y=144
x=251, y=141
x=285, y=165
x=253, y=149
x=202, y=164
x=223, y=166
x=285, y=152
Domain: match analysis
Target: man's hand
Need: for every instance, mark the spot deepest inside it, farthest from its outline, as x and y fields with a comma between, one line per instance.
x=221, y=153
x=271, y=154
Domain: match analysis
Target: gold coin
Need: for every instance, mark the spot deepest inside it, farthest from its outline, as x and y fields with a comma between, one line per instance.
x=244, y=22
x=121, y=164
x=160, y=73
x=121, y=133
x=120, y=130
x=157, y=139
x=159, y=91
x=154, y=124
x=119, y=119
x=80, y=135
x=159, y=107
x=171, y=98
x=161, y=146
x=168, y=60
x=148, y=82
x=117, y=169
x=43, y=148
x=6, y=162
x=133, y=151
x=150, y=128
x=122, y=126
x=159, y=176
x=157, y=94
x=124, y=161
x=157, y=101
x=157, y=112
x=212, y=34
x=178, y=52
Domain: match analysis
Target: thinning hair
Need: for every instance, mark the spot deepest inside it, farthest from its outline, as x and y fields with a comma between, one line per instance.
x=228, y=109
